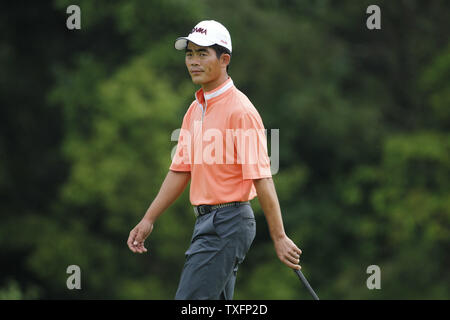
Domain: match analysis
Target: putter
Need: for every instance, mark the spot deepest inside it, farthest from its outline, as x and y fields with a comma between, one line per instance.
x=305, y=282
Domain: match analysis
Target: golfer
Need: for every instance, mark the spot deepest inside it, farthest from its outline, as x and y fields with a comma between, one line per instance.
x=222, y=151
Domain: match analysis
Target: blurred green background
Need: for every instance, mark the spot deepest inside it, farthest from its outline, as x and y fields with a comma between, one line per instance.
x=86, y=118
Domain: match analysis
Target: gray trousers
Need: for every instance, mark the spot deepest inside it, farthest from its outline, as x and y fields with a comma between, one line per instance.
x=220, y=241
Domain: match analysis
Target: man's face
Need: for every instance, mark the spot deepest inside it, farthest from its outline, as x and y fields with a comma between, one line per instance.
x=202, y=64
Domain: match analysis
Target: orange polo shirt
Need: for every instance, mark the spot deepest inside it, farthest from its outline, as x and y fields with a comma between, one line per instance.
x=223, y=144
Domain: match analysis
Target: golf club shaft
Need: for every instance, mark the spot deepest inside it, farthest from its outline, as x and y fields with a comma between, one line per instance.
x=305, y=282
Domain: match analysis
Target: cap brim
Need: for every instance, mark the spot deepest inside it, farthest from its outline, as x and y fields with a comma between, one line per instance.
x=181, y=43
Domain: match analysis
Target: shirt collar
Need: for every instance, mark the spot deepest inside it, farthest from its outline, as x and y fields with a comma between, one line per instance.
x=201, y=96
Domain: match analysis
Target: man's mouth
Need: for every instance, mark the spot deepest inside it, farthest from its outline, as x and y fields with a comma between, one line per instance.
x=196, y=71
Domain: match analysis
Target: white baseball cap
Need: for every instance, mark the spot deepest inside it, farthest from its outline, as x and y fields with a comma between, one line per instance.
x=206, y=33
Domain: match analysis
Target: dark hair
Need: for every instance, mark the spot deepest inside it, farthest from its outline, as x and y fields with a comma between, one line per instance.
x=220, y=50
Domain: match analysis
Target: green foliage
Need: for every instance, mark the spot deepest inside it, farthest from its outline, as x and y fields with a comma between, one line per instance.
x=85, y=143
x=435, y=83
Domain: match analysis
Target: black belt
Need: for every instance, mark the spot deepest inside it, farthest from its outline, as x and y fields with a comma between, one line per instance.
x=207, y=208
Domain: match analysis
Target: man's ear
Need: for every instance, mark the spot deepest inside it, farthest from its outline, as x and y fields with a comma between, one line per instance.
x=225, y=59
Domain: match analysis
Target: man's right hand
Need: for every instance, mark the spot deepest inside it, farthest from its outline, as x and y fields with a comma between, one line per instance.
x=288, y=252
x=138, y=235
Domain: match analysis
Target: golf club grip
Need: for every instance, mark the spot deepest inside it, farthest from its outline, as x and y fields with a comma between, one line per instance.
x=305, y=282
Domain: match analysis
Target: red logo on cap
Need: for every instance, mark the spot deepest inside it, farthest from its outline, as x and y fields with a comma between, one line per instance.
x=201, y=30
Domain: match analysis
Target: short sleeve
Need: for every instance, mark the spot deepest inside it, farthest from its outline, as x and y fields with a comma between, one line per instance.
x=251, y=147
x=181, y=160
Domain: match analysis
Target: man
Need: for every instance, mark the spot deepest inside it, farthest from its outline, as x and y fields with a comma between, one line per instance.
x=220, y=188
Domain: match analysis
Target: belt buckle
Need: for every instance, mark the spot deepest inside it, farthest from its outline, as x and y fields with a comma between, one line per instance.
x=204, y=209
x=199, y=210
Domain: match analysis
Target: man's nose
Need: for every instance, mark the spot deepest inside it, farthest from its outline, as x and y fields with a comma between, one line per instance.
x=194, y=63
